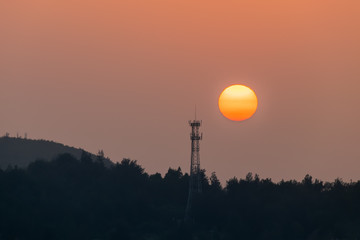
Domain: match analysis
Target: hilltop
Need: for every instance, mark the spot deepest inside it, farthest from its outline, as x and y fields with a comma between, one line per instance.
x=21, y=152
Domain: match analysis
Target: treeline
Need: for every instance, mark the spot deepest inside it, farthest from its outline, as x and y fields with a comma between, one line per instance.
x=69, y=198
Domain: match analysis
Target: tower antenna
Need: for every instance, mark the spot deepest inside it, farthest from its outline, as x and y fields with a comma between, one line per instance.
x=195, y=177
x=195, y=112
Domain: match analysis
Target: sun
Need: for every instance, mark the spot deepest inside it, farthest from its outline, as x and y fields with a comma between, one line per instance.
x=238, y=102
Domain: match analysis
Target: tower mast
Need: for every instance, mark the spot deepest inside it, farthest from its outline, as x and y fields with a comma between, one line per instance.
x=195, y=178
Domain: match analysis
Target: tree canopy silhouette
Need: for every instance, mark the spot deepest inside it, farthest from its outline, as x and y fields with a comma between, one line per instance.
x=70, y=198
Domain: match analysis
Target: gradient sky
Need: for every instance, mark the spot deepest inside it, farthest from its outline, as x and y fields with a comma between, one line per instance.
x=124, y=76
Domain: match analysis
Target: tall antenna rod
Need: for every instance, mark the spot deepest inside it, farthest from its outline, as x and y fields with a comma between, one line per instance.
x=195, y=112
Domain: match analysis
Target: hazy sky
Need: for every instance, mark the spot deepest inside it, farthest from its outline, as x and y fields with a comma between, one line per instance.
x=124, y=76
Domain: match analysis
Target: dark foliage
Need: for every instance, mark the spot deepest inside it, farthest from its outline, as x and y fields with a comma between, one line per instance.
x=22, y=151
x=71, y=199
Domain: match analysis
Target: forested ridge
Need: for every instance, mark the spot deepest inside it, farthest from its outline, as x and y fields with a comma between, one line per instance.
x=70, y=198
x=22, y=151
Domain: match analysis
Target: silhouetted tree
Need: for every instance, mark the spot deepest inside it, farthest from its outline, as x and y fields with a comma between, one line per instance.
x=69, y=198
x=215, y=183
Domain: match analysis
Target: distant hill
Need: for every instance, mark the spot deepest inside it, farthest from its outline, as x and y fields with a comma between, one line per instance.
x=21, y=152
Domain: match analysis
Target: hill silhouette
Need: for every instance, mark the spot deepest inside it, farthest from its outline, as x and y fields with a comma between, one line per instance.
x=21, y=152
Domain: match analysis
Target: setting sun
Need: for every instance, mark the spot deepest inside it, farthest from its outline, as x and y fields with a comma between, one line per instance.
x=238, y=102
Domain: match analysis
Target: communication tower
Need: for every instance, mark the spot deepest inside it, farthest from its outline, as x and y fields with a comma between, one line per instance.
x=195, y=178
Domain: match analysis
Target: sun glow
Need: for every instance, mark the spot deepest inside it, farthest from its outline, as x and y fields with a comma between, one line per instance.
x=238, y=102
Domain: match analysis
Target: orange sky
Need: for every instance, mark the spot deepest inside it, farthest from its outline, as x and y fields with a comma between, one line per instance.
x=124, y=76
